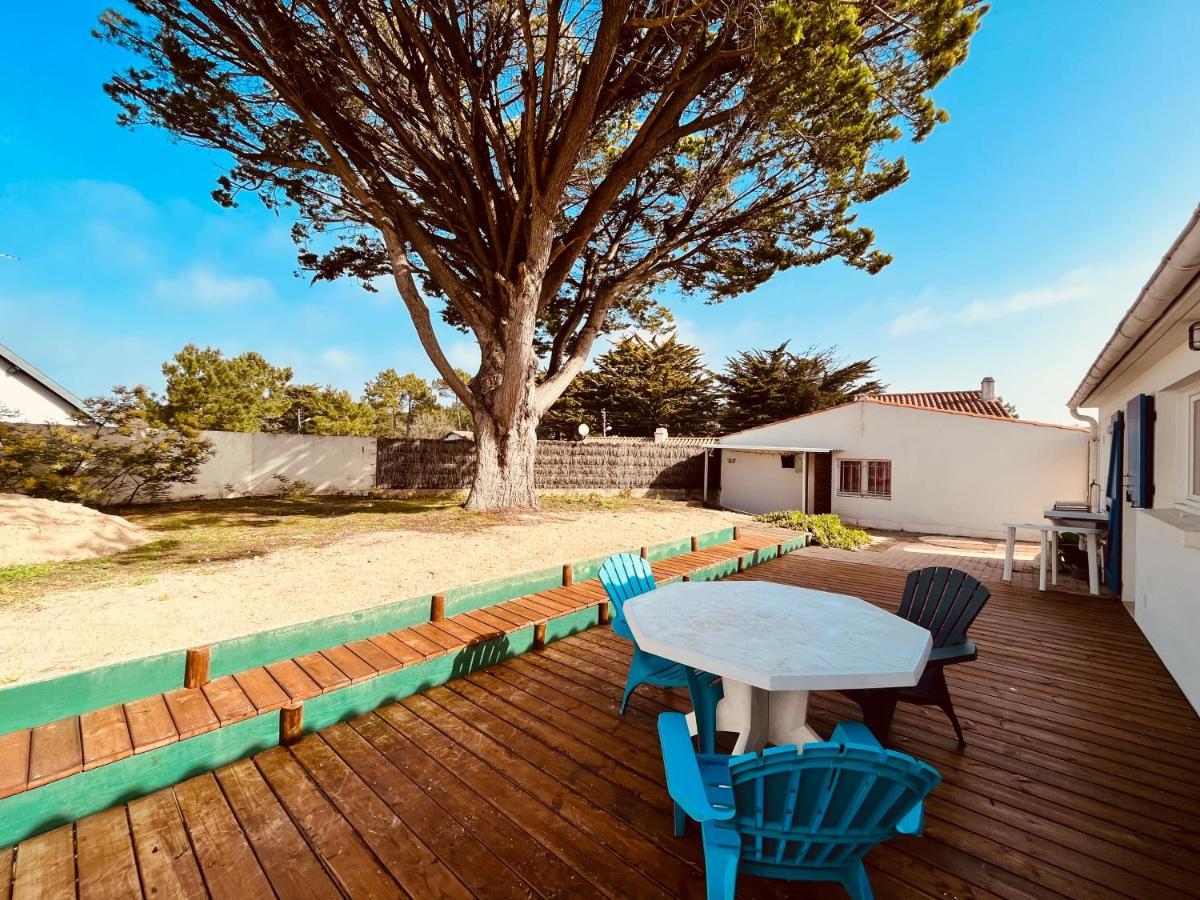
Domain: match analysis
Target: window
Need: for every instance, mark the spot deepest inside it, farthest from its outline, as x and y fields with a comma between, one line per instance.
x=787, y=460
x=865, y=477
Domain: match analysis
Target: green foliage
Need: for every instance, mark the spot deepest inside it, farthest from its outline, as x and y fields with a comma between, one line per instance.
x=116, y=453
x=459, y=414
x=642, y=384
x=761, y=386
x=294, y=488
x=398, y=398
x=827, y=529
x=207, y=390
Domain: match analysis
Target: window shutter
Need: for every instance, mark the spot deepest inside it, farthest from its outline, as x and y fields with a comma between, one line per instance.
x=1139, y=436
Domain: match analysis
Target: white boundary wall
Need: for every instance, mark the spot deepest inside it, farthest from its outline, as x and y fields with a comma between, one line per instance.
x=246, y=464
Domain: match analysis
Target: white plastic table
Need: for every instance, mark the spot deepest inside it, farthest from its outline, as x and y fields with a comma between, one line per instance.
x=772, y=644
x=1048, y=538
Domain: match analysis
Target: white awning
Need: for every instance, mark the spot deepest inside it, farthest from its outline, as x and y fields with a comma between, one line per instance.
x=764, y=448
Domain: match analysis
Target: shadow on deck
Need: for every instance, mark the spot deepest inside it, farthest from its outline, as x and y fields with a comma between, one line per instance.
x=1081, y=779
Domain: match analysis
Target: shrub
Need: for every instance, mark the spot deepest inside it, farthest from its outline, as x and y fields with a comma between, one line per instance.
x=827, y=529
x=113, y=455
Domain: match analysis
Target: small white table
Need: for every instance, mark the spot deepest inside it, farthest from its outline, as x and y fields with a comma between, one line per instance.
x=772, y=644
x=1048, y=539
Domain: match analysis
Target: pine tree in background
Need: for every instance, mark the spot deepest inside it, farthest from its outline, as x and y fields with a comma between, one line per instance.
x=641, y=384
x=398, y=399
x=207, y=390
x=762, y=386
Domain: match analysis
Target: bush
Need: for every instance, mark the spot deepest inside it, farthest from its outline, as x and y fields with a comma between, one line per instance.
x=826, y=529
x=112, y=456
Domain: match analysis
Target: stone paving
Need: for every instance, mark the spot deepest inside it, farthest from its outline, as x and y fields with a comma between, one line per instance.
x=981, y=557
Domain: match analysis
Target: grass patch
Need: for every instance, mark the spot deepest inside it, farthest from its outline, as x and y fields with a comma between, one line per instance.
x=208, y=532
x=827, y=529
x=15, y=574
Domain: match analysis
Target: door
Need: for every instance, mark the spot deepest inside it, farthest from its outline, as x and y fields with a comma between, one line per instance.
x=822, y=494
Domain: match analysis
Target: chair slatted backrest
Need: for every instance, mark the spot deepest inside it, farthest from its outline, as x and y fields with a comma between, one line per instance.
x=826, y=805
x=624, y=577
x=943, y=600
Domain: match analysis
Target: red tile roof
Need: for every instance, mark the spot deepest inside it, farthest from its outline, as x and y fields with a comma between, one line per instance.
x=955, y=401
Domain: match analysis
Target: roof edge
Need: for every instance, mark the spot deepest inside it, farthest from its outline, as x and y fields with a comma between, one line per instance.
x=41, y=378
x=1175, y=272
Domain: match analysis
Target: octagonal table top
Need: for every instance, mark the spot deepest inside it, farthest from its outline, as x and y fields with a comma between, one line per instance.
x=777, y=637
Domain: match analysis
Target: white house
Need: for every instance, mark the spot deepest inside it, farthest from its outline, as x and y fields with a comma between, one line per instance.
x=1145, y=385
x=31, y=394
x=886, y=464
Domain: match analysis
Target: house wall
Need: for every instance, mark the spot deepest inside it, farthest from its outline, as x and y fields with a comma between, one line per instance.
x=758, y=483
x=1161, y=546
x=951, y=474
x=246, y=464
x=31, y=401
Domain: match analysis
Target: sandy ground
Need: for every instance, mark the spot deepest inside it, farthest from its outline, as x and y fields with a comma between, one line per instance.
x=81, y=629
x=35, y=531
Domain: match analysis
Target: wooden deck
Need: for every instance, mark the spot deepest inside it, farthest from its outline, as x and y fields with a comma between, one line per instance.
x=1081, y=779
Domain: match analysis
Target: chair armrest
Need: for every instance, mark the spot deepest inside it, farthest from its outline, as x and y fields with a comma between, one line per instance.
x=854, y=733
x=954, y=653
x=913, y=821
x=684, y=783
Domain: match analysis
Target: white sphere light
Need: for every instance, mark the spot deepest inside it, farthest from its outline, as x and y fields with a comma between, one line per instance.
x=583, y=429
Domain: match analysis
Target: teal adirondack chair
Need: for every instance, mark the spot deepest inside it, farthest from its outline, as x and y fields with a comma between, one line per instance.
x=808, y=815
x=624, y=577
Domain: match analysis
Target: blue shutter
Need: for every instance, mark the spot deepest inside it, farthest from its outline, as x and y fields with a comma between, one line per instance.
x=1139, y=433
x=1116, y=506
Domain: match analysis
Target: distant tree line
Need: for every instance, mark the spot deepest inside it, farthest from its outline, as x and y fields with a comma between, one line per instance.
x=206, y=390
x=643, y=383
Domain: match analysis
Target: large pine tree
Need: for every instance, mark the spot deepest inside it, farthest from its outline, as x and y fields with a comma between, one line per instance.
x=761, y=386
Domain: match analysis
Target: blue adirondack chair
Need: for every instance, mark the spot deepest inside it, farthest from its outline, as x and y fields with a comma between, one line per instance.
x=624, y=577
x=808, y=815
x=945, y=601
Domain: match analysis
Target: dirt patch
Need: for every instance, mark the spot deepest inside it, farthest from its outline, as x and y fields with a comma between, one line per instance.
x=186, y=607
x=39, y=531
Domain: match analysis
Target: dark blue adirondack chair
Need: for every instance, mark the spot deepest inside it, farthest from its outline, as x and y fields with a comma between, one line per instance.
x=944, y=601
x=624, y=577
x=808, y=815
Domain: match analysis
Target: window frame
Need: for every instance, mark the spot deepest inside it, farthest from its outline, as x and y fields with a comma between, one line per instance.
x=864, y=478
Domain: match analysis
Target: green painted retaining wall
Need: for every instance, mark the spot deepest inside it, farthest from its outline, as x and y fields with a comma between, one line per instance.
x=39, y=702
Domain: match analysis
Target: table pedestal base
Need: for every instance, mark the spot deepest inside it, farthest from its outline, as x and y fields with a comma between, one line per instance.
x=761, y=717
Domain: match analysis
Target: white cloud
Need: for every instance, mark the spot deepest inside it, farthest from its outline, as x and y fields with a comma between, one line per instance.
x=202, y=286
x=338, y=359
x=1075, y=285
x=463, y=355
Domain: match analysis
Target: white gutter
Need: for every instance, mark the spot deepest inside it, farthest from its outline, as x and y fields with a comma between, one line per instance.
x=1174, y=273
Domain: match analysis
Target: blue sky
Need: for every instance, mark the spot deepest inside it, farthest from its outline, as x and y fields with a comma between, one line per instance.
x=1027, y=227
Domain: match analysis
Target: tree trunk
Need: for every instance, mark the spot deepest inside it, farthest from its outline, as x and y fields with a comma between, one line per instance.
x=504, y=460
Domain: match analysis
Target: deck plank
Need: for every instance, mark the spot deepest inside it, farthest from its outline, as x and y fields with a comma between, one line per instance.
x=228, y=700
x=190, y=712
x=226, y=858
x=14, y=762
x=45, y=866
x=164, y=853
x=348, y=859
x=104, y=857
x=150, y=724
x=294, y=680
x=390, y=838
x=105, y=736
x=262, y=690
x=290, y=864
x=55, y=751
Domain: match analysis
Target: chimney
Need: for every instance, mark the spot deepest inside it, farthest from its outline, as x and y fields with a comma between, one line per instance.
x=987, y=389
x=660, y=435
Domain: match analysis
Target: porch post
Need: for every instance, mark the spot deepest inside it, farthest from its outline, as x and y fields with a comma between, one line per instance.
x=704, y=499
